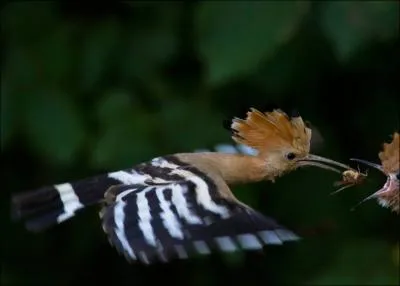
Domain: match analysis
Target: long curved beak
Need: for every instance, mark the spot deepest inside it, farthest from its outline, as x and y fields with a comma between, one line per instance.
x=376, y=166
x=322, y=162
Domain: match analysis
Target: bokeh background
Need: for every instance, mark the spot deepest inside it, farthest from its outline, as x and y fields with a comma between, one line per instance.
x=91, y=88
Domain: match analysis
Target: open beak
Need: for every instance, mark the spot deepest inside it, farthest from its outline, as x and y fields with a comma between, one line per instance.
x=376, y=166
x=390, y=186
x=321, y=162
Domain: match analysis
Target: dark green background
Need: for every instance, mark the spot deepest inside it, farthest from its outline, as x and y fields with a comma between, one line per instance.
x=94, y=88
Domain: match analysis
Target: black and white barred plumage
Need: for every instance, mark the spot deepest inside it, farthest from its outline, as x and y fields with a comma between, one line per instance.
x=156, y=211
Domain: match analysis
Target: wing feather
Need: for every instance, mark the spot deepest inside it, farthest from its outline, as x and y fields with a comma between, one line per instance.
x=181, y=215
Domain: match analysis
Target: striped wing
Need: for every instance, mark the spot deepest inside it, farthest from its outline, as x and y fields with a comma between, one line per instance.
x=179, y=212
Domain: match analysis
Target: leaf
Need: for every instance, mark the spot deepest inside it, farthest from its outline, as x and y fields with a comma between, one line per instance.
x=53, y=126
x=125, y=133
x=122, y=146
x=150, y=47
x=235, y=37
x=98, y=46
x=113, y=106
x=186, y=125
x=39, y=46
x=54, y=55
x=351, y=23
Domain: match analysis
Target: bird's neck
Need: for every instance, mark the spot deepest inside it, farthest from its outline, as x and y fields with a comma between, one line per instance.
x=233, y=168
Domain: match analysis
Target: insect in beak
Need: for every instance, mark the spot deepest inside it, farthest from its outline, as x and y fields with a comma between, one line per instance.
x=321, y=162
x=350, y=178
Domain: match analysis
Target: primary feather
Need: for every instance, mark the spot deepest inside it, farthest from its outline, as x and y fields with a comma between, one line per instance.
x=157, y=211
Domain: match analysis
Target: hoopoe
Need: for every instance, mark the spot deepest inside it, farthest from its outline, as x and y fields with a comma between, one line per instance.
x=180, y=204
x=388, y=195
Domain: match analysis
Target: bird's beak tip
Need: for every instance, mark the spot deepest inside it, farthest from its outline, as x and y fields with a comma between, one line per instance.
x=373, y=165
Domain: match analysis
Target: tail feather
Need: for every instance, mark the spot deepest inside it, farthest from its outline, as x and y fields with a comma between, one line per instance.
x=51, y=205
x=30, y=203
x=46, y=220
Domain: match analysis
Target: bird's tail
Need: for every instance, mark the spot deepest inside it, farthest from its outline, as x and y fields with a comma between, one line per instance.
x=51, y=205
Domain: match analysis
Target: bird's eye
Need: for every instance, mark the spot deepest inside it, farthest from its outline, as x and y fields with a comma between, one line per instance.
x=398, y=176
x=290, y=156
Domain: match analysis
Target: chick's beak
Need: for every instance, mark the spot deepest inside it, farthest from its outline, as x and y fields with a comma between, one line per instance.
x=391, y=186
x=321, y=162
x=373, y=165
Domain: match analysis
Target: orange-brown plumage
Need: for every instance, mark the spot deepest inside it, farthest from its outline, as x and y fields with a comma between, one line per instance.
x=271, y=131
x=389, y=156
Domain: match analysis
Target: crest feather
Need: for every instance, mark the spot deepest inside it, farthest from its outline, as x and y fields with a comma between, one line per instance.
x=271, y=131
x=390, y=155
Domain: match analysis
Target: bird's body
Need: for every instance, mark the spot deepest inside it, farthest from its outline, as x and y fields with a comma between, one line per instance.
x=179, y=204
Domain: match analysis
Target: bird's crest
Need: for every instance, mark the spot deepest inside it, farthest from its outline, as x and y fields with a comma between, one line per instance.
x=270, y=131
x=389, y=156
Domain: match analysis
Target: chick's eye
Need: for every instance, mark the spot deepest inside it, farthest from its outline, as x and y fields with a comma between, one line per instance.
x=398, y=176
x=291, y=156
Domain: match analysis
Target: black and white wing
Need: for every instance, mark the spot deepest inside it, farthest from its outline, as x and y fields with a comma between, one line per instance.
x=179, y=212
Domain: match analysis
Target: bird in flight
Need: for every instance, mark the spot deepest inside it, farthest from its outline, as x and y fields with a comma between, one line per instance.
x=388, y=196
x=181, y=204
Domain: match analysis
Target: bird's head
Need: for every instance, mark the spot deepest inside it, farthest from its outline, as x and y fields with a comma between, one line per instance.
x=282, y=141
x=389, y=194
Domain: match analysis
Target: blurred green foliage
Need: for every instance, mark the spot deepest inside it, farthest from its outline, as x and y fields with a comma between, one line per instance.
x=350, y=24
x=262, y=26
x=94, y=88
